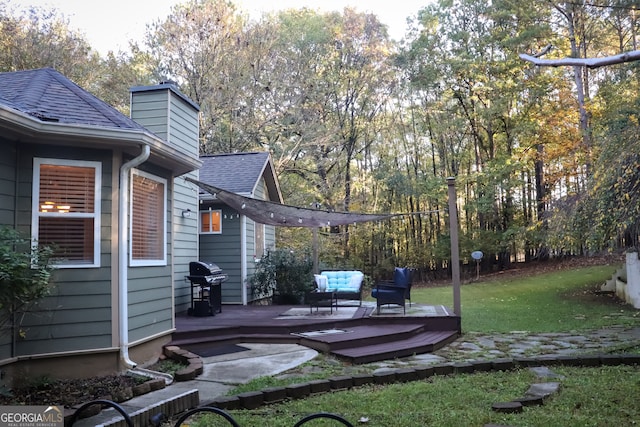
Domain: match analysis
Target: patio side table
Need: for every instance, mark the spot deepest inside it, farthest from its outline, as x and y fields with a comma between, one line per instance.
x=322, y=299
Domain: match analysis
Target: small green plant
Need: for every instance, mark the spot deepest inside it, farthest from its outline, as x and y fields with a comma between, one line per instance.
x=139, y=379
x=5, y=391
x=285, y=274
x=168, y=366
x=41, y=382
x=25, y=274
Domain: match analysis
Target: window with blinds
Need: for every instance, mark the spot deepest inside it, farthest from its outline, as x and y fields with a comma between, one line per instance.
x=211, y=221
x=66, y=214
x=148, y=219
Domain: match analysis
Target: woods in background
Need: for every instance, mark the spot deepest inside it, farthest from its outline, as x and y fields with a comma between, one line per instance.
x=547, y=159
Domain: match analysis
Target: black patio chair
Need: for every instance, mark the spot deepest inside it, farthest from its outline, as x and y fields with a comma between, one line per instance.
x=396, y=291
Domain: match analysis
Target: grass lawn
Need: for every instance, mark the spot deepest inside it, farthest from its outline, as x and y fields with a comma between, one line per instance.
x=558, y=301
x=605, y=396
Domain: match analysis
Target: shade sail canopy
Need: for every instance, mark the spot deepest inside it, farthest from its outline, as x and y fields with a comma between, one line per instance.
x=270, y=213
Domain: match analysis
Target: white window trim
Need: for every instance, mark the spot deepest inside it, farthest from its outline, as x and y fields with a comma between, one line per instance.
x=148, y=262
x=96, y=215
x=210, y=224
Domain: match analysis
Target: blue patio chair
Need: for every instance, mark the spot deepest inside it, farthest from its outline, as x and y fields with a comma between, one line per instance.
x=396, y=291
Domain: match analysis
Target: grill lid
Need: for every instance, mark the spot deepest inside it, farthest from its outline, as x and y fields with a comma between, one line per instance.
x=200, y=268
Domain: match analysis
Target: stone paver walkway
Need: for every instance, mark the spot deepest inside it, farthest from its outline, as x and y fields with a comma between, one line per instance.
x=476, y=346
x=523, y=344
x=481, y=351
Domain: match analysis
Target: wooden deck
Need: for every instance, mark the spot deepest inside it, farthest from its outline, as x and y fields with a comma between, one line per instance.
x=355, y=334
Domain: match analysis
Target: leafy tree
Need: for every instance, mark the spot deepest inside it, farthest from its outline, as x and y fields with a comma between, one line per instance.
x=120, y=71
x=203, y=45
x=38, y=37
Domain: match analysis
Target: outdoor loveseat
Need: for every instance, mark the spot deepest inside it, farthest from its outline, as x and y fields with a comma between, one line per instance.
x=347, y=284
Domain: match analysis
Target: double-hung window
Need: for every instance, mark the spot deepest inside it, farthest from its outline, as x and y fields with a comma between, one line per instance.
x=66, y=210
x=148, y=220
x=211, y=221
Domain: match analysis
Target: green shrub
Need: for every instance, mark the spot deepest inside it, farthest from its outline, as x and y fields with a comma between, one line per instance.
x=25, y=273
x=284, y=274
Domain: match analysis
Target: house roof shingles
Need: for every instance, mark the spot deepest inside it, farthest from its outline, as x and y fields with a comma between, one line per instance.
x=49, y=96
x=237, y=173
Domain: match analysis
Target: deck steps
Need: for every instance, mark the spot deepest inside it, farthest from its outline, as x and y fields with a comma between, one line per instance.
x=361, y=339
x=423, y=342
x=359, y=336
x=358, y=344
x=235, y=338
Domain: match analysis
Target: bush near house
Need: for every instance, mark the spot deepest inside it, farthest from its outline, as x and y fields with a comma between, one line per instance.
x=284, y=274
x=25, y=275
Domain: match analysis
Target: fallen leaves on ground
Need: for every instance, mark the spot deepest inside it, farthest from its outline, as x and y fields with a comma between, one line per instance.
x=70, y=392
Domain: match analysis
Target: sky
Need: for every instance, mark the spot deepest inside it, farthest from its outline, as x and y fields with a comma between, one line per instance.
x=109, y=25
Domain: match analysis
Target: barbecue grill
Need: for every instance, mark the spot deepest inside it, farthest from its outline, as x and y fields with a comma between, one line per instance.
x=206, y=288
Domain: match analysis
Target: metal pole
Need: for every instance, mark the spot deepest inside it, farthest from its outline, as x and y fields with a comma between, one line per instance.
x=455, y=250
x=315, y=250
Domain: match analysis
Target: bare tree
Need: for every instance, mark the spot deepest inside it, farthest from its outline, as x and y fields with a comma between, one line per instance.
x=583, y=62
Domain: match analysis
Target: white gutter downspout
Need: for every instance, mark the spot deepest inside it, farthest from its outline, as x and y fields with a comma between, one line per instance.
x=123, y=249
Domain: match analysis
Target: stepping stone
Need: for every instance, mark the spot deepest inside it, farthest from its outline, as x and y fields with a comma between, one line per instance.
x=470, y=347
x=530, y=400
x=507, y=407
x=543, y=390
x=544, y=372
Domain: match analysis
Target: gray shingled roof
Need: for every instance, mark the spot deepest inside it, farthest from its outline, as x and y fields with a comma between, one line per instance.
x=236, y=172
x=49, y=96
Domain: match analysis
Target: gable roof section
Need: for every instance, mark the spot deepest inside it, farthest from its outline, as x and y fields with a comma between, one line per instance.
x=240, y=173
x=44, y=106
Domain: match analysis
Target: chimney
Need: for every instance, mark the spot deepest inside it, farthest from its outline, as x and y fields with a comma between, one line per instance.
x=168, y=113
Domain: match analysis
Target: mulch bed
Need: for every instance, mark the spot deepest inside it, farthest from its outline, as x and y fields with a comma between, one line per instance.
x=68, y=393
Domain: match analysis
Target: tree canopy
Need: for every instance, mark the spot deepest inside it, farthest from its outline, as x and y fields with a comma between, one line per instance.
x=546, y=158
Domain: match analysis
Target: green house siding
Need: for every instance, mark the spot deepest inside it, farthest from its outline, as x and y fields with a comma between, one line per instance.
x=77, y=315
x=7, y=211
x=185, y=239
x=168, y=114
x=251, y=254
x=270, y=237
x=224, y=250
x=252, y=258
x=150, y=302
x=234, y=249
x=251, y=241
x=269, y=233
x=151, y=287
x=7, y=182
